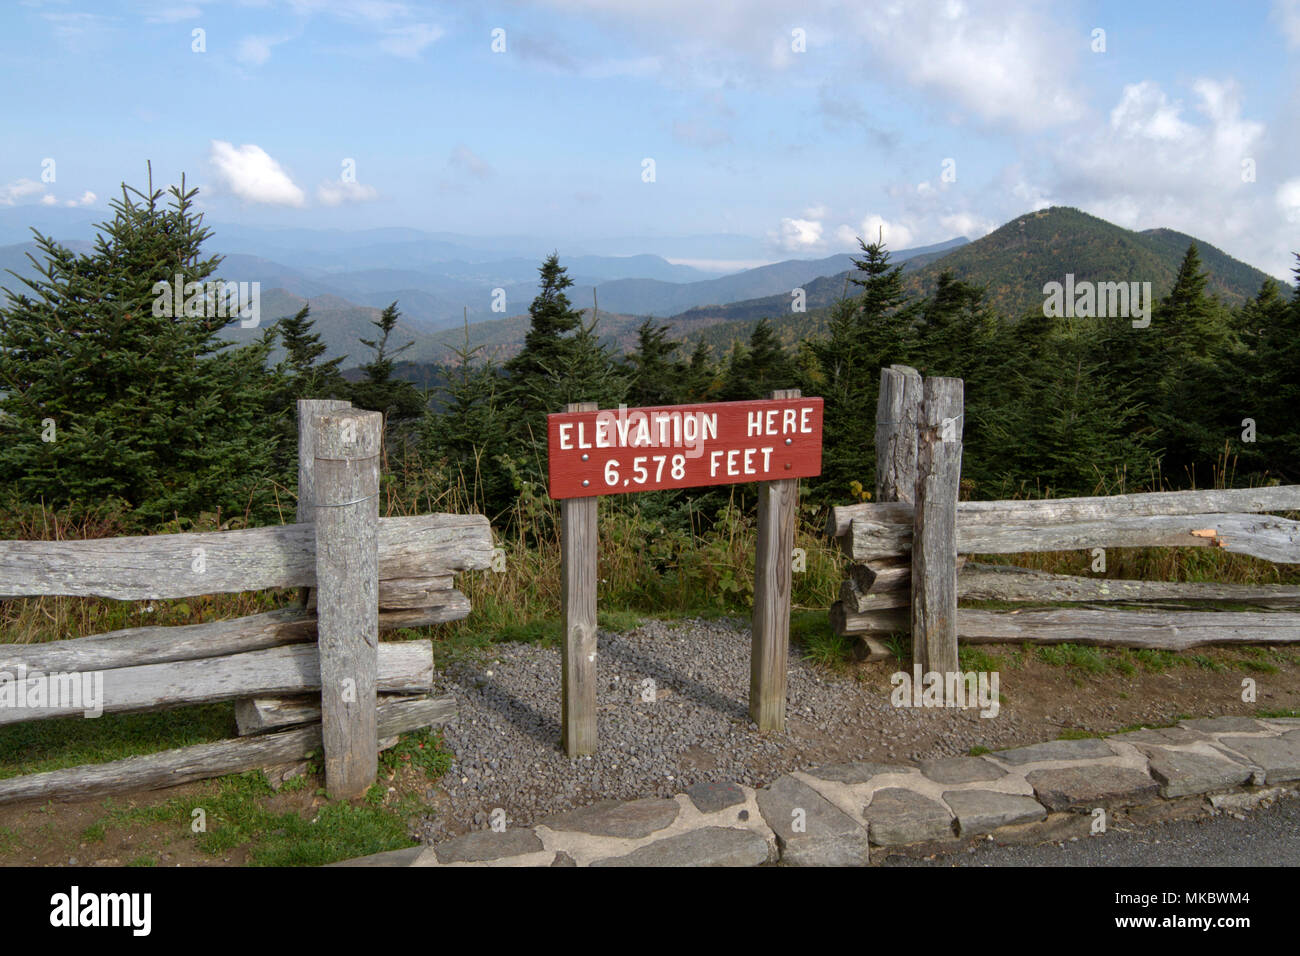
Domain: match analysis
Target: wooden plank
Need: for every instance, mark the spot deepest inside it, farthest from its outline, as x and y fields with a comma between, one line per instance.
x=578, y=551
x=171, y=768
x=853, y=599
x=403, y=667
x=1261, y=536
x=1111, y=627
x=999, y=582
x=158, y=567
x=406, y=593
x=159, y=644
x=934, y=556
x=770, y=640
x=1104, y=508
x=880, y=623
x=898, y=410
x=346, y=488
x=259, y=714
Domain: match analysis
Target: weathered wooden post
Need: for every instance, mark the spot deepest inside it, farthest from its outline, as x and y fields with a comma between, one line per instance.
x=934, y=535
x=345, y=488
x=578, y=550
x=897, y=410
x=308, y=408
x=777, y=502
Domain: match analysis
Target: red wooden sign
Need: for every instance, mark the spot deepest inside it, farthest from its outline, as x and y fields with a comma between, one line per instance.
x=611, y=452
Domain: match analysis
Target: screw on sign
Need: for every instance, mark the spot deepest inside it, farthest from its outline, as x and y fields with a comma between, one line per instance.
x=596, y=452
x=612, y=452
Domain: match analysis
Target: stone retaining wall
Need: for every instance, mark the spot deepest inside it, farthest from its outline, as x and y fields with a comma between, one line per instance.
x=856, y=813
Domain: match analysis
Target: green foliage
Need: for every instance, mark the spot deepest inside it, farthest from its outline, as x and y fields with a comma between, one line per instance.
x=107, y=394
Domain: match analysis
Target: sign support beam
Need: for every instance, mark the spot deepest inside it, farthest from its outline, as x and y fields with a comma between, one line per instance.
x=773, y=570
x=578, y=544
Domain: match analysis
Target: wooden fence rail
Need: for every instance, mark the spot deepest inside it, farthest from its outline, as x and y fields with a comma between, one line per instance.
x=366, y=574
x=894, y=586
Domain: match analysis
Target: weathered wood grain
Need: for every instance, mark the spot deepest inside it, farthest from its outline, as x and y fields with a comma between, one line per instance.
x=346, y=492
x=1103, y=508
x=934, y=556
x=898, y=409
x=405, y=667
x=171, y=768
x=879, y=623
x=307, y=409
x=1112, y=627
x=578, y=551
x=1261, y=536
x=159, y=644
x=158, y=567
x=260, y=714
x=998, y=582
x=770, y=630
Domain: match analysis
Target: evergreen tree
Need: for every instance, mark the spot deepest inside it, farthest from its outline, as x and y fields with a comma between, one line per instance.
x=866, y=333
x=109, y=393
x=761, y=367
x=306, y=377
x=474, y=428
x=1277, y=394
x=654, y=373
x=562, y=360
x=399, y=400
x=701, y=380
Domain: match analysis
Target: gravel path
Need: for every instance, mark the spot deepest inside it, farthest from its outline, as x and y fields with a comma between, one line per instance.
x=506, y=740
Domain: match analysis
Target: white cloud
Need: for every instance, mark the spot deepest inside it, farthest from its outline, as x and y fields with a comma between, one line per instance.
x=49, y=200
x=1286, y=13
x=173, y=12
x=1288, y=200
x=18, y=189
x=895, y=234
x=252, y=175
x=338, y=192
x=87, y=198
x=799, y=235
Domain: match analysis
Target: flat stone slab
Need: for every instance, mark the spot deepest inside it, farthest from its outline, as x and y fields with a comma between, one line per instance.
x=484, y=845
x=1161, y=736
x=954, y=770
x=1070, y=787
x=899, y=816
x=1182, y=773
x=1223, y=725
x=712, y=797
x=983, y=811
x=1279, y=757
x=631, y=820
x=710, y=846
x=1090, y=748
x=851, y=773
x=829, y=836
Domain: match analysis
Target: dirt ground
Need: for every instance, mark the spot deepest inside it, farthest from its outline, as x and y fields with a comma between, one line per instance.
x=1048, y=700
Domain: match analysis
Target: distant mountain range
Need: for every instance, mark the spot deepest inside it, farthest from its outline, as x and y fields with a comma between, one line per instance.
x=437, y=278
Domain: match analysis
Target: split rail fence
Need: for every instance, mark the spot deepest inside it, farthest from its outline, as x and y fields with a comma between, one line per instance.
x=908, y=551
x=305, y=678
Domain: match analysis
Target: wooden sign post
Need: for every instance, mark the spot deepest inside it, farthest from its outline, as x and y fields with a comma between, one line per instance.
x=773, y=442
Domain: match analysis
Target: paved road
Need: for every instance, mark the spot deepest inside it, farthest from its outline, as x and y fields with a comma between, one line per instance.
x=1268, y=837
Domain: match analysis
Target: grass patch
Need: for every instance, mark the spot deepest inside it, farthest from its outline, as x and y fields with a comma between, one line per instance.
x=978, y=751
x=1087, y=659
x=1074, y=733
x=813, y=632
x=42, y=745
x=975, y=659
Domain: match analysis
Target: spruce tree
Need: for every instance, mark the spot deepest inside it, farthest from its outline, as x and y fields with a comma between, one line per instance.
x=654, y=374
x=108, y=392
x=399, y=400
x=759, y=368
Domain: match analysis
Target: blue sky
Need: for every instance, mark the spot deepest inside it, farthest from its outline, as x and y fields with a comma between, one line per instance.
x=930, y=120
